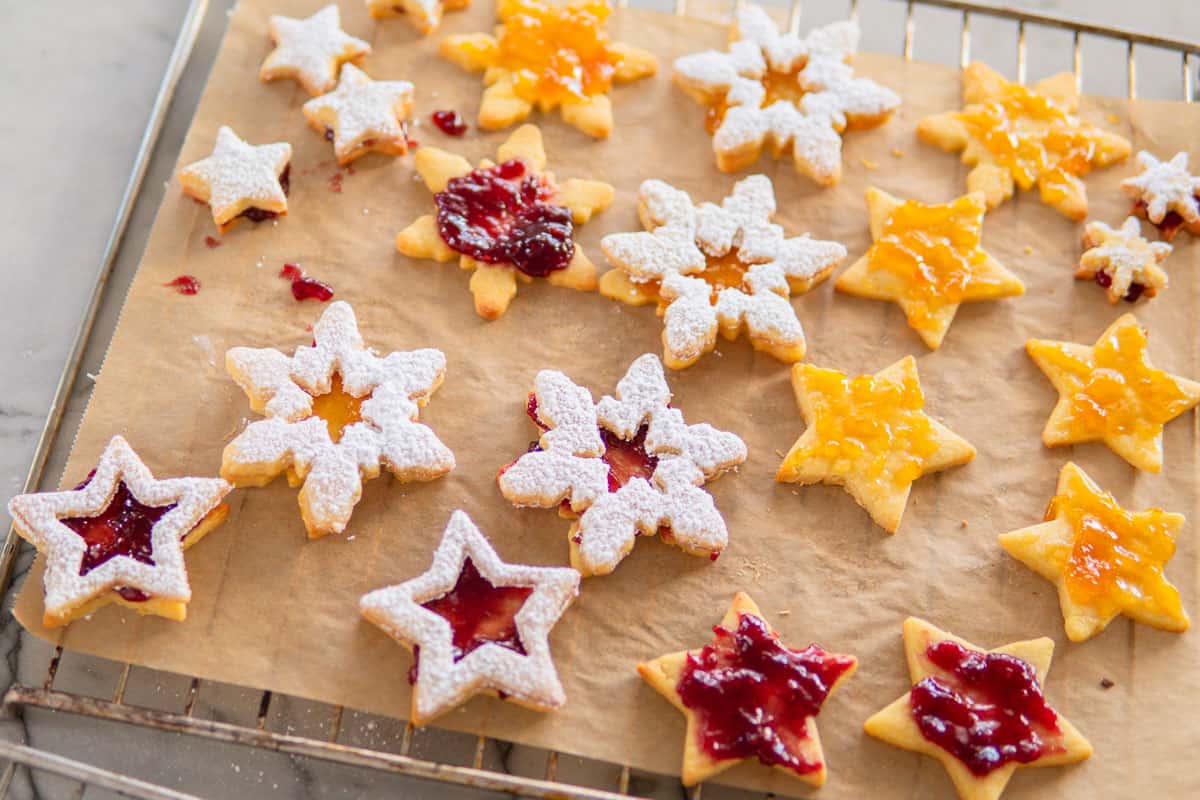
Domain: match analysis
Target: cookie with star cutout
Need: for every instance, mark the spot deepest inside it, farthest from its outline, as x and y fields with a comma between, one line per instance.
x=118, y=537
x=1122, y=262
x=424, y=15
x=362, y=115
x=240, y=180
x=310, y=51
x=476, y=624
x=1166, y=194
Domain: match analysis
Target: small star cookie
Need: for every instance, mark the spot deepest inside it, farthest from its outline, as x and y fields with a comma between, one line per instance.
x=1122, y=261
x=870, y=435
x=1110, y=392
x=1104, y=559
x=508, y=222
x=927, y=258
x=361, y=115
x=1166, y=194
x=549, y=56
x=981, y=713
x=628, y=466
x=118, y=537
x=710, y=267
x=795, y=95
x=425, y=15
x=310, y=50
x=240, y=180
x=476, y=624
x=747, y=695
x=335, y=413
x=1013, y=135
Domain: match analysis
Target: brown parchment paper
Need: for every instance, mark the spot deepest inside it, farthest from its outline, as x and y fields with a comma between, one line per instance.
x=272, y=610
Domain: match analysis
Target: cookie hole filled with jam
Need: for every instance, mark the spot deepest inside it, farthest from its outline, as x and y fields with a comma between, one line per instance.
x=480, y=612
x=338, y=408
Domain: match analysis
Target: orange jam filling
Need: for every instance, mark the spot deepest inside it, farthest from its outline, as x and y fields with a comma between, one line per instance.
x=723, y=272
x=337, y=408
x=556, y=54
x=783, y=86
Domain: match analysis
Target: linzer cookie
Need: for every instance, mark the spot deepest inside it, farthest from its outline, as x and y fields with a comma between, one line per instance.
x=627, y=466
x=1122, y=261
x=240, y=180
x=362, y=115
x=711, y=268
x=335, y=414
x=310, y=51
x=1166, y=194
x=118, y=537
x=476, y=624
x=425, y=15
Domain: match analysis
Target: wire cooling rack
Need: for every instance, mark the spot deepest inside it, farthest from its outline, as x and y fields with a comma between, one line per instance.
x=338, y=736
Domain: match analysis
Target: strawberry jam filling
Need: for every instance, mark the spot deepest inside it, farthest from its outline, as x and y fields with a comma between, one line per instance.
x=1131, y=294
x=1171, y=221
x=304, y=287
x=450, y=123
x=256, y=214
x=480, y=613
x=986, y=710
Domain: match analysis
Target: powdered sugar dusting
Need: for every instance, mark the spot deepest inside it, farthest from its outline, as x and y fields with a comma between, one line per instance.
x=1165, y=186
x=239, y=175
x=310, y=50
x=360, y=109
x=1125, y=257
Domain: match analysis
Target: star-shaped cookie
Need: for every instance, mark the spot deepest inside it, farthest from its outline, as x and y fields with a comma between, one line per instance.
x=425, y=15
x=508, y=222
x=118, y=537
x=1104, y=559
x=870, y=435
x=310, y=50
x=1166, y=193
x=987, y=705
x=928, y=260
x=476, y=624
x=747, y=695
x=1122, y=261
x=240, y=180
x=1110, y=392
x=1013, y=135
x=361, y=115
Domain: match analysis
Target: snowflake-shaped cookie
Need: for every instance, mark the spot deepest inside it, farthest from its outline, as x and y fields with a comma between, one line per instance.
x=1166, y=194
x=361, y=115
x=1122, y=261
x=425, y=15
x=335, y=413
x=500, y=647
x=627, y=465
x=240, y=180
x=793, y=94
x=713, y=267
x=310, y=50
x=118, y=537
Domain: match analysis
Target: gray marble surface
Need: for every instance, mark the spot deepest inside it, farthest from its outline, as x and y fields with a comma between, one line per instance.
x=79, y=81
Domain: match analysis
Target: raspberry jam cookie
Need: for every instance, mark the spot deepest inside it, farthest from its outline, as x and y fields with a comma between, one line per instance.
x=549, y=56
x=870, y=435
x=747, y=695
x=118, y=537
x=795, y=95
x=1104, y=560
x=310, y=51
x=335, y=413
x=1122, y=261
x=927, y=259
x=979, y=712
x=425, y=15
x=508, y=222
x=628, y=466
x=1110, y=392
x=476, y=624
x=240, y=180
x=711, y=267
x=1166, y=194
x=362, y=115
x=1013, y=135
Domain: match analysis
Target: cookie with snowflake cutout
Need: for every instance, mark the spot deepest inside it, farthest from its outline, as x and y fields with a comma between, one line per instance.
x=476, y=624
x=626, y=466
x=425, y=15
x=240, y=180
x=508, y=222
x=795, y=95
x=1122, y=261
x=310, y=51
x=1166, y=194
x=118, y=537
x=362, y=115
x=336, y=413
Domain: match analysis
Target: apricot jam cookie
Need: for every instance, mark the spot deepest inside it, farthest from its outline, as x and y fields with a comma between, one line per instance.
x=1013, y=135
x=310, y=51
x=1122, y=261
x=240, y=180
x=476, y=624
x=1166, y=194
x=747, y=695
x=425, y=15
x=927, y=258
x=508, y=222
x=362, y=115
x=1110, y=392
x=628, y=466
x=711, y=267
x=335, y=413
x=795, y=95
x=979, y=712
x=549, y=56
x=118, y=537
x=870, y=435
x=1104, y=559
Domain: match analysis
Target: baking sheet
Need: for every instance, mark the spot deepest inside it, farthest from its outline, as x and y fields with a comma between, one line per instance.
x=272, y=610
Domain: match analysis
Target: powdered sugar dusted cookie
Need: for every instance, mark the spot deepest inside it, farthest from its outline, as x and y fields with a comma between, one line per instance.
x=425, y=15
x=795, y=95
x=118, y=537
x=335, y=413
x=310, y=50
x=476, y=624
x=627, y=465
x=1122, y=261
x=711, y=267
x=240, y=180
x=1166, y=194
x=361, y=115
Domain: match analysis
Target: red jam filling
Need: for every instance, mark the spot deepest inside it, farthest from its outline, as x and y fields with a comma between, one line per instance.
x=184, y=284
x=304, y=287
x=1131, y=294
x=987, y=711
x=753, y=696
x=256, y=214
x=480, y=613
x=1171, y=222
x=450, y=123
x=500, y=215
